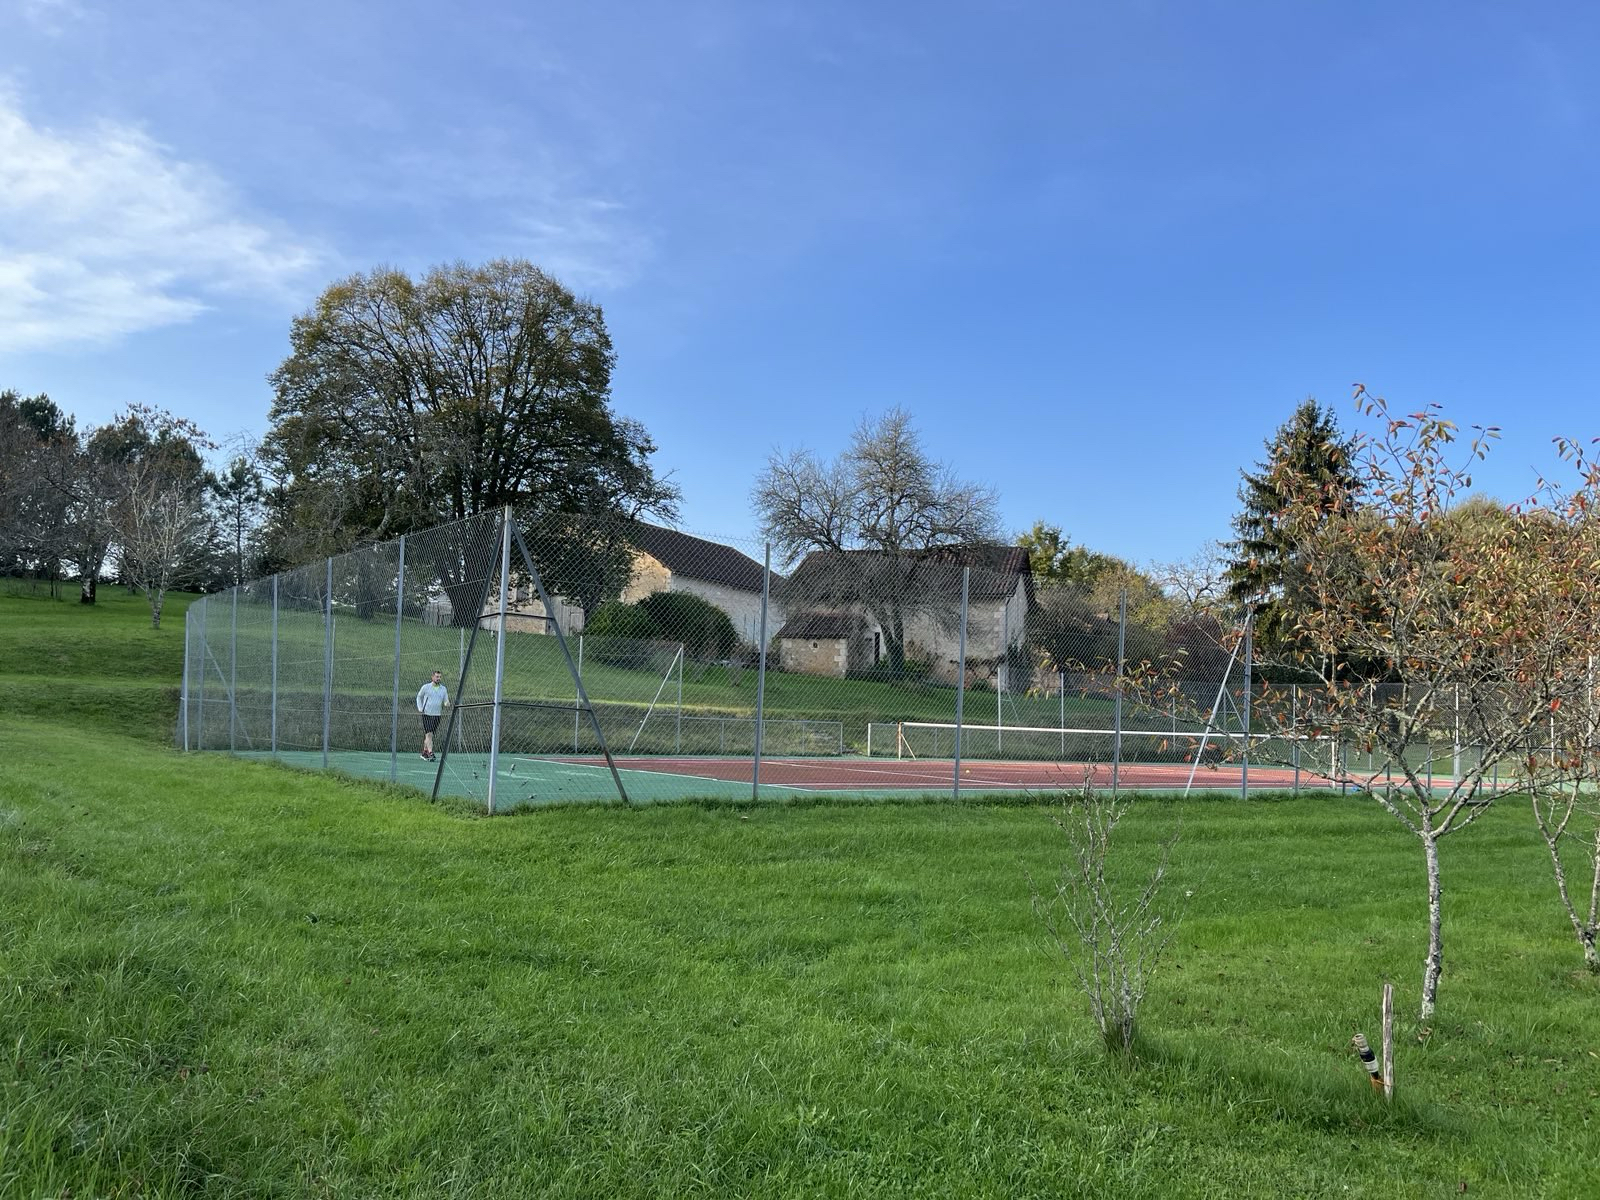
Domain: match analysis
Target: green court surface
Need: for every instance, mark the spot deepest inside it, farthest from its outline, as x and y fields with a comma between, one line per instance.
x=522, y=781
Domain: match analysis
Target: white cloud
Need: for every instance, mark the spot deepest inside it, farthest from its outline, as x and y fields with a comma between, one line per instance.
x=50, y=16
x=104, y=233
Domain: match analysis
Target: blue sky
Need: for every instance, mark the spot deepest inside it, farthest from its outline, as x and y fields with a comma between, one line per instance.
x=1100, y=250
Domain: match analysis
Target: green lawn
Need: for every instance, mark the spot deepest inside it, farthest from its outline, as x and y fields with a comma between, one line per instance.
x=223, y=978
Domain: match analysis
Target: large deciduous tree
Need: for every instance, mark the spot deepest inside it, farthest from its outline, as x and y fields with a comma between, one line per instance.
x=37, y=442
x=405, y=403
x=874, y=526
x=164, y=534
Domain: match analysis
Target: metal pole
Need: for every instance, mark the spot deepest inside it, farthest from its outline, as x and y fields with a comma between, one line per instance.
x=1249, y=660
x=274, y=666
x=327, y=666
x=500, y=654
x=233, y=672
x=399, y=612
x=200, y=700
x=1455, y=739
x=678, y=743
x=1000, y=678
x=961, y=681
x=1122, y=647
x=461, y=675
x=1294, y=726
x=761, y=672
x=572, y=670
x=576, y=707
x=183, y=696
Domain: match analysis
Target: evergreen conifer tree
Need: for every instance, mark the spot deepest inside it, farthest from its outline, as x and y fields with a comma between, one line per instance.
x=1308, y=448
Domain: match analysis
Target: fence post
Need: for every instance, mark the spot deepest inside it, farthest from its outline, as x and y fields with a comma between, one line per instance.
x=233, y=672
x=761, y=672
x=1116, y=738
x=1244, y=775
x=1455, y=739
x=961, y=681
x=274, y=666
x=183, y=692
x=399, y=612
x=1294, y=726
x=1000, y=679
x=577, y=707
x=200, y=700
x=499, y=654
x=327, y=666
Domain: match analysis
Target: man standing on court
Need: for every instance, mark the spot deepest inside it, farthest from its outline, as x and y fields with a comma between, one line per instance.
x=431, y=699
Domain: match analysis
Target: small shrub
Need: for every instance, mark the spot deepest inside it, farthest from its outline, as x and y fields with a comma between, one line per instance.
x=1113, y=943
x=615, y=619
x=702, y=627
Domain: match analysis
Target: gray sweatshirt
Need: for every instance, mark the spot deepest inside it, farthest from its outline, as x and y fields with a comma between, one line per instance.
x=431, y=699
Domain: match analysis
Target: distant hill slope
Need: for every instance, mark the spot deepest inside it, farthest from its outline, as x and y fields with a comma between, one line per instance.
x=99, y=668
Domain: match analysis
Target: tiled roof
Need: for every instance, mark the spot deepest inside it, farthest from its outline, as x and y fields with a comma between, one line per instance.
x=996, y=569
x=818, y=624
x=695, y=558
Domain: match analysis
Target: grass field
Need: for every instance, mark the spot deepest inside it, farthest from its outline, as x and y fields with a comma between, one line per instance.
x=223, y=978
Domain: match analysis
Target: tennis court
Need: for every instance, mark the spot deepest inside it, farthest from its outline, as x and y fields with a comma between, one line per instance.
x=533, y=781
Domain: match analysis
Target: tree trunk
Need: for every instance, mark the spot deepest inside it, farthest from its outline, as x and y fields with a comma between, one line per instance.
x=1434, y=966
x=86, y=590
x=157, y=598
x=467, y=601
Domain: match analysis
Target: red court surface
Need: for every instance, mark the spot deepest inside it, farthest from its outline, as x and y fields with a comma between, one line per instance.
x=983, y=775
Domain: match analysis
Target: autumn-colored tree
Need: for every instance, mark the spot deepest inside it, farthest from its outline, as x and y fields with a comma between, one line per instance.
x=1422, y=623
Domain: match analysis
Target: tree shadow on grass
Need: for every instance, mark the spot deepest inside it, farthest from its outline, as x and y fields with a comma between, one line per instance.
x=1320, y=1094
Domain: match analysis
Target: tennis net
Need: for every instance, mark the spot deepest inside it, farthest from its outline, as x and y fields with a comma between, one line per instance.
x=937, y=740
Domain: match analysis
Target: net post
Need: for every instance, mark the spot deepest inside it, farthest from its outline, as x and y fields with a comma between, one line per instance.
x=499, y=655
x=677, y=747
x=327, y=665
x=233, y=671
x=961, y=681
x=399, y=612
x=274, y=734
x=761, y=672
x=1122, y=646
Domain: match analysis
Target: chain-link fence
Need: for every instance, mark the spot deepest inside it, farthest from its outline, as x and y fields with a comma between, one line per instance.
x=604, y=660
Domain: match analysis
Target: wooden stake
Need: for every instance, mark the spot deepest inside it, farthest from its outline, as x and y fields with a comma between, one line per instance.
x=1368, y=1060
x=1388, y=1041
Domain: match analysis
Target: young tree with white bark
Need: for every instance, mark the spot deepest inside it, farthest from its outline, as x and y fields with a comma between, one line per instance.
x=1420, y=623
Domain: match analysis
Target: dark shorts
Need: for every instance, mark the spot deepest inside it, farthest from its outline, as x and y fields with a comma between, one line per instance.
x=429, y=724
